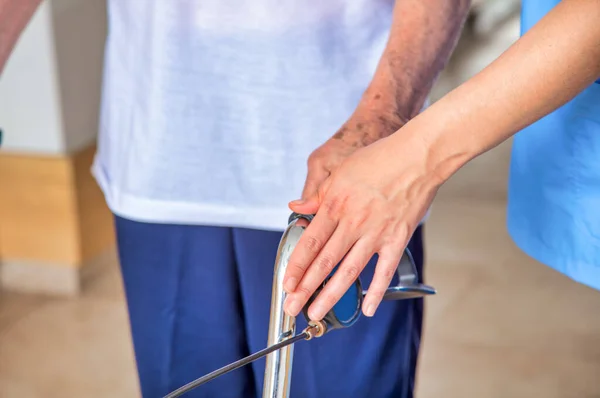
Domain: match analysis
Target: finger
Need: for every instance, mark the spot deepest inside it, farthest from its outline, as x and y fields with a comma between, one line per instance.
x=386, y=267
x=314, y=178
x=333, y=252
x=344, y=277
x=309, y=246
x=305, y=206
x=311, y=204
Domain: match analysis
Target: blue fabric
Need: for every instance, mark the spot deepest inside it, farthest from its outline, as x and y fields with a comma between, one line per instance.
x=199, y=298
x=554, y=188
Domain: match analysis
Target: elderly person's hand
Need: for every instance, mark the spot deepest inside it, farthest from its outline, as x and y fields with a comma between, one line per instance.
x=371, y=203
x=360, y=130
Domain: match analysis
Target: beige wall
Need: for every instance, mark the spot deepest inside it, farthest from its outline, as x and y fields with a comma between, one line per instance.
x=486, y=177
x=79, y=35
x=53, y=219
x=50, y=89
x=30, y=111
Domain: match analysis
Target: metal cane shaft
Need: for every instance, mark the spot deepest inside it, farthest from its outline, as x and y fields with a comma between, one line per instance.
x=278, y=371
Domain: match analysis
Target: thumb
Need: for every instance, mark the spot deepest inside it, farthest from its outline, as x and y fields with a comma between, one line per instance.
x=305, y=206
x=310, y=204
x=314, y=178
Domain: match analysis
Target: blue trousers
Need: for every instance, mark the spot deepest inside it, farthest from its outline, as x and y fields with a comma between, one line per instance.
x=199, y=298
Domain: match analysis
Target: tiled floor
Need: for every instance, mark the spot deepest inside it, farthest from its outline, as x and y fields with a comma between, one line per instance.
x=501, y=325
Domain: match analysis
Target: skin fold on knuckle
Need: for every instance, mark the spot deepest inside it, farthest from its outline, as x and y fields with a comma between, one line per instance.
x=334, y=206
x=325, y=263
x=303, y=293
x=314, y=159
x=351, y=272
x=324, y=188
x=359, y=219
x=398, y=229
x=394, y=235
x=312, y=244
x=388, y=270
x=387, y=224
x=295, y=268
x=331, y=207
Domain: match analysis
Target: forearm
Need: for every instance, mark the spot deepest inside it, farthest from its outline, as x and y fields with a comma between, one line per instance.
x=14, y=16
x=422, y=37
x=547, y=67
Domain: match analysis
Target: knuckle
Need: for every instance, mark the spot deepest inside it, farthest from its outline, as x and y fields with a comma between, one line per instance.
x=386, y=243
x=395, y=237
x=360, y=219
x=304, y=292
x=405, y=233
x=388, y=224
x=326, y=263
x=388, y=272
x=321, y=191
x=331, y=206
x=313, y=244
x=401, y=230
x=296, y=268
x=351, y=272
x=313, y=160
x=335, y=206
x=397, y=244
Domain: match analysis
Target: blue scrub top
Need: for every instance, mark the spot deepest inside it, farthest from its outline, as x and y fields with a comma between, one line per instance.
x=554, y=183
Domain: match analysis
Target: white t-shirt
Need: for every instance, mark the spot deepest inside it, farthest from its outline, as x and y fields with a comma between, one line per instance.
x=211, y=108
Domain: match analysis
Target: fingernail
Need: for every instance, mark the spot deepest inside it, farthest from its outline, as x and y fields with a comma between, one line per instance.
x=290, y=284
x=298, y=202
x=317, y=312
x=370, y=310
x=292, y=307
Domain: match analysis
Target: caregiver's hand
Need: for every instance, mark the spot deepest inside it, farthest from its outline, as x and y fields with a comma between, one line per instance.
x=360, y=130
x=371, y=203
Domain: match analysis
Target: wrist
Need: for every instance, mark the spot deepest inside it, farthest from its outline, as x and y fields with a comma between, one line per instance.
x=378, y=103
x=394, y=93
x=368, y=125
x=442, y=153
